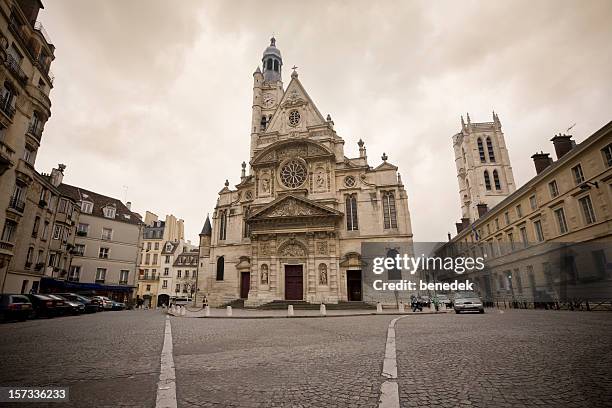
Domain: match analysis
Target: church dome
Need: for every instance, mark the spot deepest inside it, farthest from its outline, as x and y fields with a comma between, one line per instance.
x=272, y=50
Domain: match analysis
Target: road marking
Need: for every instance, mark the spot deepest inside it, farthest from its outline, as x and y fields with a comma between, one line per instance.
x=166, y=386
x=389, y=390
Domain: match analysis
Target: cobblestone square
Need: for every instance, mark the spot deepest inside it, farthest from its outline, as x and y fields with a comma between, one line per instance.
x=502, y=358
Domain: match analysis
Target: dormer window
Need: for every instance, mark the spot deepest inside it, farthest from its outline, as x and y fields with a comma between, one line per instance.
x=86, y=207
x=109, y=212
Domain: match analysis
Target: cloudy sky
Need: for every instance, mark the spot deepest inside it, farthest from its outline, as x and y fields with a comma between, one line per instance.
x=152, y=98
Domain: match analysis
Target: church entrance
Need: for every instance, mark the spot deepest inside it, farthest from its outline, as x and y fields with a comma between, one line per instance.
x=245, y=284
x=353, y=286
x=294, y=289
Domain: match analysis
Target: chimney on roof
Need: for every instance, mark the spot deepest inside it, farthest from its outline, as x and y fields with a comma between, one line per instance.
x=541, y=161
x=129, y=205
x=462, y=225
x=57, y=175
x=563, y=144
x=482, y=209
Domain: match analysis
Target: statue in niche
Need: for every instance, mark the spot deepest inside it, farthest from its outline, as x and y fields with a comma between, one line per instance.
x=264, y=274
x=323, y=274
x=265, y=185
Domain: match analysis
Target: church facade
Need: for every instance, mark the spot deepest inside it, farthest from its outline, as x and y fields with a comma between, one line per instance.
x=293, y=227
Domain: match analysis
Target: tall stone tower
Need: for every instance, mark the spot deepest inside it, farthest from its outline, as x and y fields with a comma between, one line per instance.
x=267, y=91
x=484, y=172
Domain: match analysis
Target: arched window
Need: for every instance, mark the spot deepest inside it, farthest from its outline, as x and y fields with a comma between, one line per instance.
x=496, y=180
x=222, y=224
x=389, y=214
x=393, y=273
x=351, y=213
x=490, y=150
x=220, y=268
x=487, y=180
x=269, y=64
x=276, y=65
x=481, y=151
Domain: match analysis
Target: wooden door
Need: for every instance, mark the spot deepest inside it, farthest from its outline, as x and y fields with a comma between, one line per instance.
x=245, y=284
x=353, y=285
x=294, y=289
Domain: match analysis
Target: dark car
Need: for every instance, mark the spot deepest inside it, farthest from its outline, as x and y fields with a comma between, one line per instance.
x=15, y=307
x=61, y=307
x=91, y=305
x=43, y=306
x=72, y=307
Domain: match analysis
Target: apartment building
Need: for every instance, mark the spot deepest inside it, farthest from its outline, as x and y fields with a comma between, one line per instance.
x=26, y=53
x=156, y=235
x=106, y=247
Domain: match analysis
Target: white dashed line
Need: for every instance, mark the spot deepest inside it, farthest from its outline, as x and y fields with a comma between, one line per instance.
x=389, y=390
x=166, y=386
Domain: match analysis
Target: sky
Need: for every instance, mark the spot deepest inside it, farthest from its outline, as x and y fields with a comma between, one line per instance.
x=152, y=99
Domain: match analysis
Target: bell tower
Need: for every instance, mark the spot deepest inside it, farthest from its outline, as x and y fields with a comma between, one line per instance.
x=267, y=91
x=484, y=172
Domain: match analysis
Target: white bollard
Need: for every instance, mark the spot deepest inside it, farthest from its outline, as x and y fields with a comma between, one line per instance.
x=378, y=308
x=183, y=311
x=323, y=310
x=207, y=311
x=401, y=307
x=290, y=310
x=228, y=311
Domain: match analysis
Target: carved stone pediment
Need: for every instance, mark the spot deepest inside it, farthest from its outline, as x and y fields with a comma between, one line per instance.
x=290, y=206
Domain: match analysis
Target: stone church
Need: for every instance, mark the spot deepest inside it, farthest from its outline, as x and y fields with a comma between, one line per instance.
x=292, y=229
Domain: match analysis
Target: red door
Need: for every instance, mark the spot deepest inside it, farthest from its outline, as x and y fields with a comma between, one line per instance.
x=245, y=284
x=293, y=282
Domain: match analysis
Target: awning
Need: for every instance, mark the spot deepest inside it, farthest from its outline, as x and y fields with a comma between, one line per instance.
x=47, y=282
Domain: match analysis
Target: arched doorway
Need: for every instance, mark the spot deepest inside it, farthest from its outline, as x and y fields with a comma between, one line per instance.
x=163, y=299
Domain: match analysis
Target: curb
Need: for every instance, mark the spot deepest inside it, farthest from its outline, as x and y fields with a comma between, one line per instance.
x=313, y=316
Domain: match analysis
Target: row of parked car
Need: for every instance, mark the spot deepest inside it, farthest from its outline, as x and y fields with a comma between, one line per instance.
x=31, y=306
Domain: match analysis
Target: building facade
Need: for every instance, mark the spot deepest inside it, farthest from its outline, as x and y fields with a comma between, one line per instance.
x=106, y=247
x=185, y=272
x=26, y=54
x=155, y=236
x=293, y=227
x=550, y=240
x=483, y=166
x=44, y=238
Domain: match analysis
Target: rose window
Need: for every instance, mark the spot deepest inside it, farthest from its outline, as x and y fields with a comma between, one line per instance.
x=293, y=173
x=349, y=181
x=294, y=118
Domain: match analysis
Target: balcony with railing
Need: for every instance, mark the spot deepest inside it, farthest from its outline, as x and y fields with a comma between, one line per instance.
x=146, y=276
x=16, y=203
x=14, y=67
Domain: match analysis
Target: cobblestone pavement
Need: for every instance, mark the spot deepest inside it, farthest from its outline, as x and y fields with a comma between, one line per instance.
x=520, y=358
x=516, y=358
x=333, y=362
x=107, y=359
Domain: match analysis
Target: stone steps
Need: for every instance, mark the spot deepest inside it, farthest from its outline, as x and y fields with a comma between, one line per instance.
x=302, y=305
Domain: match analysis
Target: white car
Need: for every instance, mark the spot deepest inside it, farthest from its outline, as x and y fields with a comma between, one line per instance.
x=106, y=303
x=468, y=301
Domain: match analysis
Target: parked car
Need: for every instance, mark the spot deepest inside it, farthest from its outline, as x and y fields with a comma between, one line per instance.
x=42, y=306
x=91, y=305
x=118, y=305
x=15, y=307
x=468, y=301
x=72, y=307
x=61, y=307
x=106, y=303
